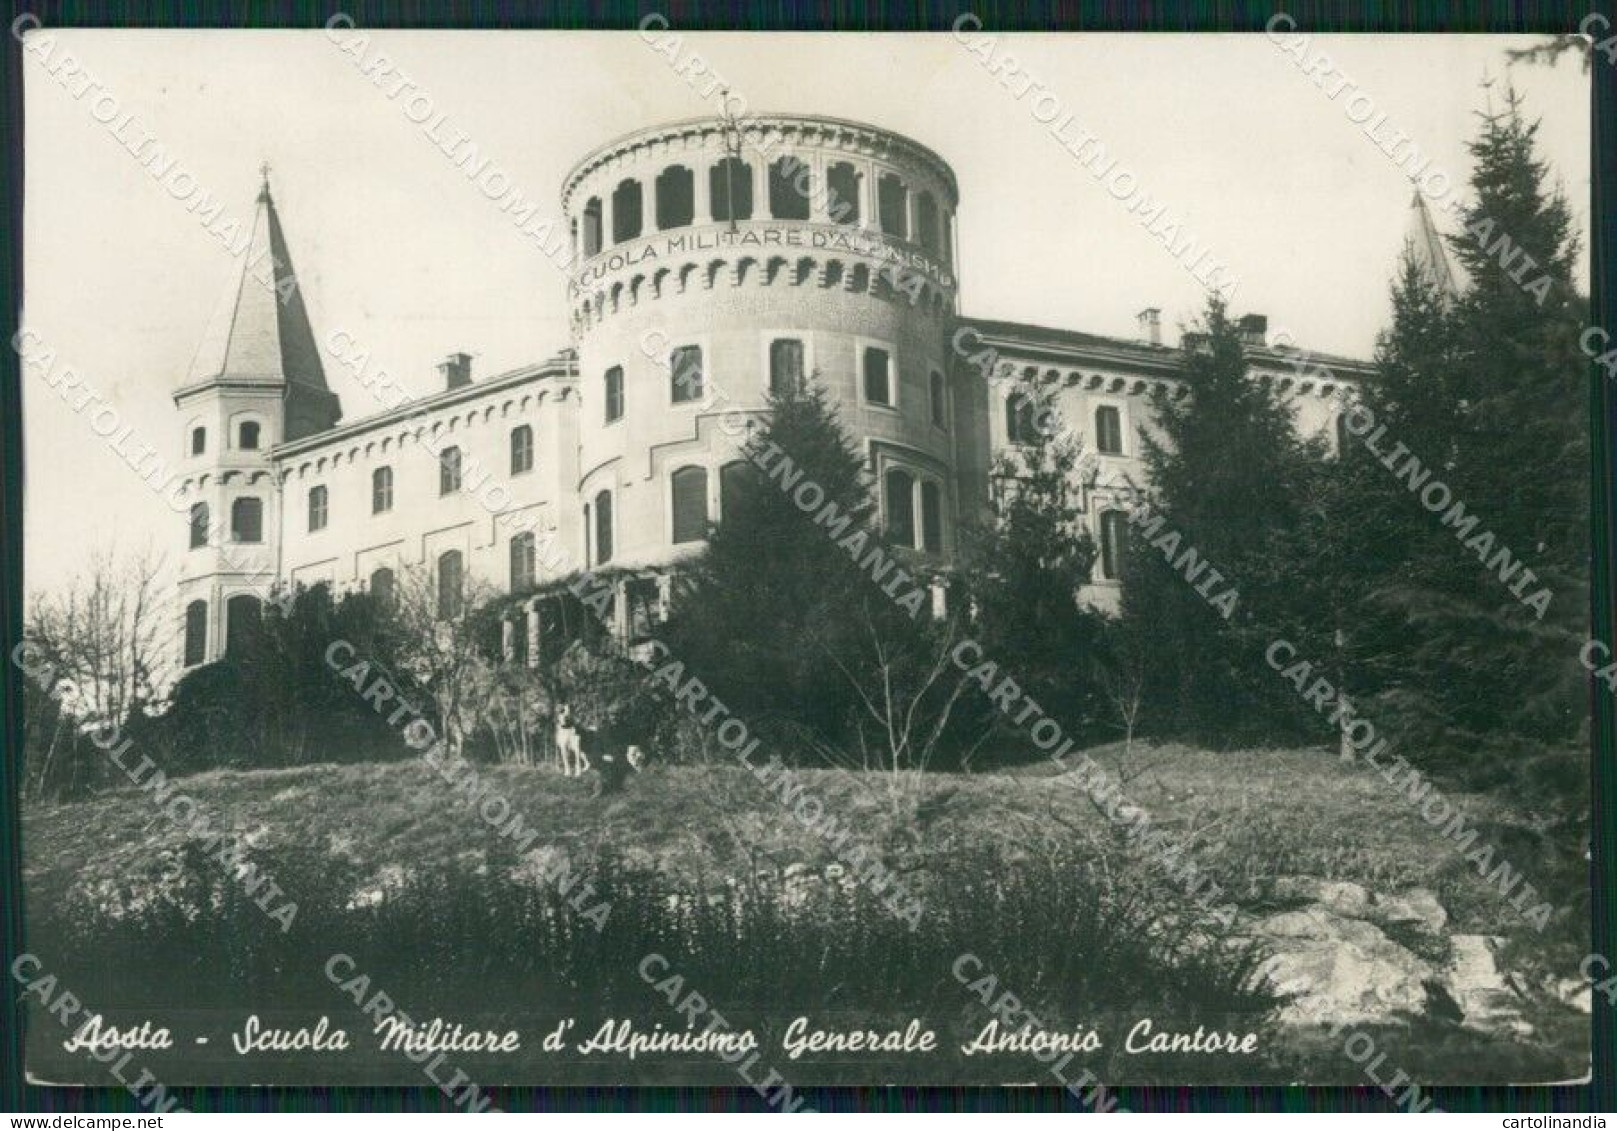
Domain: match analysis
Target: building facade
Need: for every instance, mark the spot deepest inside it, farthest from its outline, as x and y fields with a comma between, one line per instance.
x=711, y=264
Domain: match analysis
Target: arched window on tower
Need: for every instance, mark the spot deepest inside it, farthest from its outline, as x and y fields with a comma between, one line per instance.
x=451, y=584
x=892, y=206
x=524, y=561
x=688, y=501
x=247, y=435
x=676, y=197
x=243, y=613
x=247, y=520
x=199, y=441
x=842, y=193
x=790, y=186
x=199, y=525
x=603, y=527
x=730, y=189
x=900, y=498
x=1113, y=544
x=592, y=226
x=196, y=632
x=626, y=211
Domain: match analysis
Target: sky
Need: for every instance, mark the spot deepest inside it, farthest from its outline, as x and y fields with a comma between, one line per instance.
x=393, y=244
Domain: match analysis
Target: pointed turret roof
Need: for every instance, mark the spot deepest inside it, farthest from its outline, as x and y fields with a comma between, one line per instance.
x=260, y=331
x=1425, y=244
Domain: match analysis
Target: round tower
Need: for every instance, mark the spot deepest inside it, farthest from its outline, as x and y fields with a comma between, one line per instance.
x=714, y=259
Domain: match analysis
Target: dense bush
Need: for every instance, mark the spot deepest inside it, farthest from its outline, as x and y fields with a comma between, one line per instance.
x=277, y=701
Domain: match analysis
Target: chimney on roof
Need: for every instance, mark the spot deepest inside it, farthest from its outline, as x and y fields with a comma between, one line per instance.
x=456, y=370
x=1254, y=329
x=1150, y=320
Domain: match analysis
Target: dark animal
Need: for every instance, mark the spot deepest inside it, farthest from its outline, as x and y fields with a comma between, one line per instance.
x=613, y=753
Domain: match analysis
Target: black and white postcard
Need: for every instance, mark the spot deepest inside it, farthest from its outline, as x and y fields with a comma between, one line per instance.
x=776, y=560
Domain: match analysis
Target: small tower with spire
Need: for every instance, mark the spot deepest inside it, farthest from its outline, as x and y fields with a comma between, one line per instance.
x=255, y=382
x=1424, y=244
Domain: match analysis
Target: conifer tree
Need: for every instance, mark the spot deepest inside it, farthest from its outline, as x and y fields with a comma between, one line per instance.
x=756, y=605
x=1232, y=487
x=1025, y=566
x=1472, y=611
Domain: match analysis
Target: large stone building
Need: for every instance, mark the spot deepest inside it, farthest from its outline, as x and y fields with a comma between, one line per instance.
x=707, y=266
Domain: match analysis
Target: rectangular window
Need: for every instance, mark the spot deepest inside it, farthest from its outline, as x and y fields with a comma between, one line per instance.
x=449, y=471
x=931, y=517
x=317, y=508
x=940, y=407
x=785, y=366
x=524, y=563
x=790, y=188
x=901, y=508
x=878, y=376
x=842, y=193
x=614, y=394
x=381, y=490
x=730, y=189
x=688, y=489
x=1113, y=544
x=196, y=632
x=603, y=527
x=521, y=449
x=893, y=206
x=1109, y=430
x=247, y=520
x=685, y=368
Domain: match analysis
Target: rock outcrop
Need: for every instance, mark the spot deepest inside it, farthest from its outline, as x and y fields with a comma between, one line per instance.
x=1343, y=954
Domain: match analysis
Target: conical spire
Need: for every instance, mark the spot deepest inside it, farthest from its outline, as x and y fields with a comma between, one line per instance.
x=1425, y=245
x=260, y=332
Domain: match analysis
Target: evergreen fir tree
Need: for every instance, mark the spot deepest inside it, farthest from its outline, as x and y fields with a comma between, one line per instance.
x=1233, y=486
x=1024, y=568
x=755, y=608
x=1470, y=634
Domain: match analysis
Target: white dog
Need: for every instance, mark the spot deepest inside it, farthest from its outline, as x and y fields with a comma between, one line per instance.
x=569, y=744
